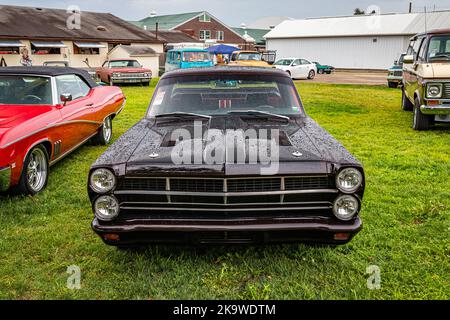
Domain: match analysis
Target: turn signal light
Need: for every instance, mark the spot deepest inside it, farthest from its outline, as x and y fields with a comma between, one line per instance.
x=111, y=237
x=341, y=236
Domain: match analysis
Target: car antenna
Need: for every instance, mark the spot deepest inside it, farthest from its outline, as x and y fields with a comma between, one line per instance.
x=425, y=18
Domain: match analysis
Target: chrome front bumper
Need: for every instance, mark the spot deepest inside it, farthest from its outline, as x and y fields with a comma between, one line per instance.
x=436, y=109
x=5, y=178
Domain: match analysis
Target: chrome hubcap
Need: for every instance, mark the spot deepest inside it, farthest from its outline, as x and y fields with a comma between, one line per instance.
x=107, y=129
x=37, y=170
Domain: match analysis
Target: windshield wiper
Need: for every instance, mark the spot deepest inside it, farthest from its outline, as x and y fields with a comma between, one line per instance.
x=180, y=115
x=258, y=113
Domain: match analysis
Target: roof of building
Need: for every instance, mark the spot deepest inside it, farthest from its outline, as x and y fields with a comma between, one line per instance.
x=257, y=34
x=49, y=71
x=176, y=36
x=166, y=22
x=137, y=50
x=268, y=22
x=42, y=23
x=363, y=25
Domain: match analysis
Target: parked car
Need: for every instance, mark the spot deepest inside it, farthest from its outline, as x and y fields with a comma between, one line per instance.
x=91, y=71
x=185, y=58
x=140, y=194
x=395, y=73
x=321, y=69
x=46, y=113
x=123, y=71
x=297, y=68
x=426, y=79
x=248, y=58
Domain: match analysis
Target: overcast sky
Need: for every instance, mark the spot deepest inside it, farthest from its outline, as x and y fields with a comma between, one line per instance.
x=235, y=12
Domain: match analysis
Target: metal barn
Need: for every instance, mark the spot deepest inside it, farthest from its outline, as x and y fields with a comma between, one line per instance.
x=356, y=42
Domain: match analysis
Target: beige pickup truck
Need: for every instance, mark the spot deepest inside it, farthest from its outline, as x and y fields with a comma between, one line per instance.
x=426, y=79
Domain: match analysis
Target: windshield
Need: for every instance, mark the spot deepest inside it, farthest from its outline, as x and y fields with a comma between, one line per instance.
x=283, y=62
x=196, y=56
x=439, y=47
x=222, y=94
x=249, y=56
x=27, y=90
x=124, y=64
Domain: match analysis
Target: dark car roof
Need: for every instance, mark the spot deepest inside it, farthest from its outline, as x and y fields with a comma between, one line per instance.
x=226, y=70
x=49, y=71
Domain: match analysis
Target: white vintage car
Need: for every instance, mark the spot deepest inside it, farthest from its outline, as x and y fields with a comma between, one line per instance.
x=297, y=68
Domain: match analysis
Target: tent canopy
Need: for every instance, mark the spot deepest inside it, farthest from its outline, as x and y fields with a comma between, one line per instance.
x=222, y=49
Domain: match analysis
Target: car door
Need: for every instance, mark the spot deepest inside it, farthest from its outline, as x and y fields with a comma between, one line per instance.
x=296, y=69
x=306, y=67
x=411, y=76
x=77, y=114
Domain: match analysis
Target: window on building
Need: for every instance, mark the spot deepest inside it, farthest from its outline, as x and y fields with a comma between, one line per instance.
x=10, y=46
x=204, y=18
x=45, y=50
x=9, y=50
x=220, y=36
x=205, y=34
x=77, y=50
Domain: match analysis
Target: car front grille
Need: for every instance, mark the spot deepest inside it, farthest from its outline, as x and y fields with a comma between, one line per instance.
x=446, y=92
x=216, y=197
x=398, y=73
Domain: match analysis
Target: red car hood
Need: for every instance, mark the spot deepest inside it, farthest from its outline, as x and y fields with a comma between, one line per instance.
x=13, y=115
x=128, y=70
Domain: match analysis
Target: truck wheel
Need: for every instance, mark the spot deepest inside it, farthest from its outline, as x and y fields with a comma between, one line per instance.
x=392, y=85
x=104, y=134
x=406, y=104
x=421, y=121
x=34, y=175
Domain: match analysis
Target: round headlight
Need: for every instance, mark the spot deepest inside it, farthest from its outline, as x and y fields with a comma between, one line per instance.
x=106, y=208
x=345, y=207
x=349, y=180
x=434, y=90
x=102, y=180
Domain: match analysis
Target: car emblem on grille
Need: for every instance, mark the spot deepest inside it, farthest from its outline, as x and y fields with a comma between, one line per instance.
x=153, y=155
x=297, y=154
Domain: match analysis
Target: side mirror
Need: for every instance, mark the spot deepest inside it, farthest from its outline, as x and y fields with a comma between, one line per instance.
x=408, y=59
x=65, y=97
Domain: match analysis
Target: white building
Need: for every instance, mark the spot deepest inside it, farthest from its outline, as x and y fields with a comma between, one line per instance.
x=356, y=42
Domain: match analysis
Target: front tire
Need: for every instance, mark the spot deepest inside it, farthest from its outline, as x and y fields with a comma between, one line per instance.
x=406, y=104
x=311, y=75
x=392, y=85
x=35, y=171
x=104, y=134
x=421, y=121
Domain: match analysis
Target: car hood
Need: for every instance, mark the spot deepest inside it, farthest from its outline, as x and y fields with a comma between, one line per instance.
x=13, y=115
x=254, y=63
x=284, y=68
x=441, y=70
x=129, y=70
x=147, y=147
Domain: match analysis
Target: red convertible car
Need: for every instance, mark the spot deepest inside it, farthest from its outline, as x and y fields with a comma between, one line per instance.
x=45, y=113
x=121, y=71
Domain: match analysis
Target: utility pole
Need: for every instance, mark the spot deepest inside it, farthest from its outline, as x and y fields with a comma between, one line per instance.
x=410, y=7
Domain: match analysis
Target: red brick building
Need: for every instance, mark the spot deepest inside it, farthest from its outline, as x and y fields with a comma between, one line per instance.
x=201, y=25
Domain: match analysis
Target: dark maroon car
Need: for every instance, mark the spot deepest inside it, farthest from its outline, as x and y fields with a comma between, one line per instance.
x=152, y=186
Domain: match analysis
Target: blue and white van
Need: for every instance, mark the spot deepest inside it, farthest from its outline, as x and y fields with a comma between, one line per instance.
x=187, y=58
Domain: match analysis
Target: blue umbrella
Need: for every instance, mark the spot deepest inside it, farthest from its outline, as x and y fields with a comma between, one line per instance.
x=222, y=49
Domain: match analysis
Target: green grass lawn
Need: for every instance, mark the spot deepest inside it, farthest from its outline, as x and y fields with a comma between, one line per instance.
x=406, y=214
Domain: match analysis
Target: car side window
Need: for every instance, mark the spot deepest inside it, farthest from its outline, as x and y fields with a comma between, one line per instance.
x=422, y=53
x=410, y=48
x=296, y=62
x=305, y=61
x=416, y=48
x=73, y=85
